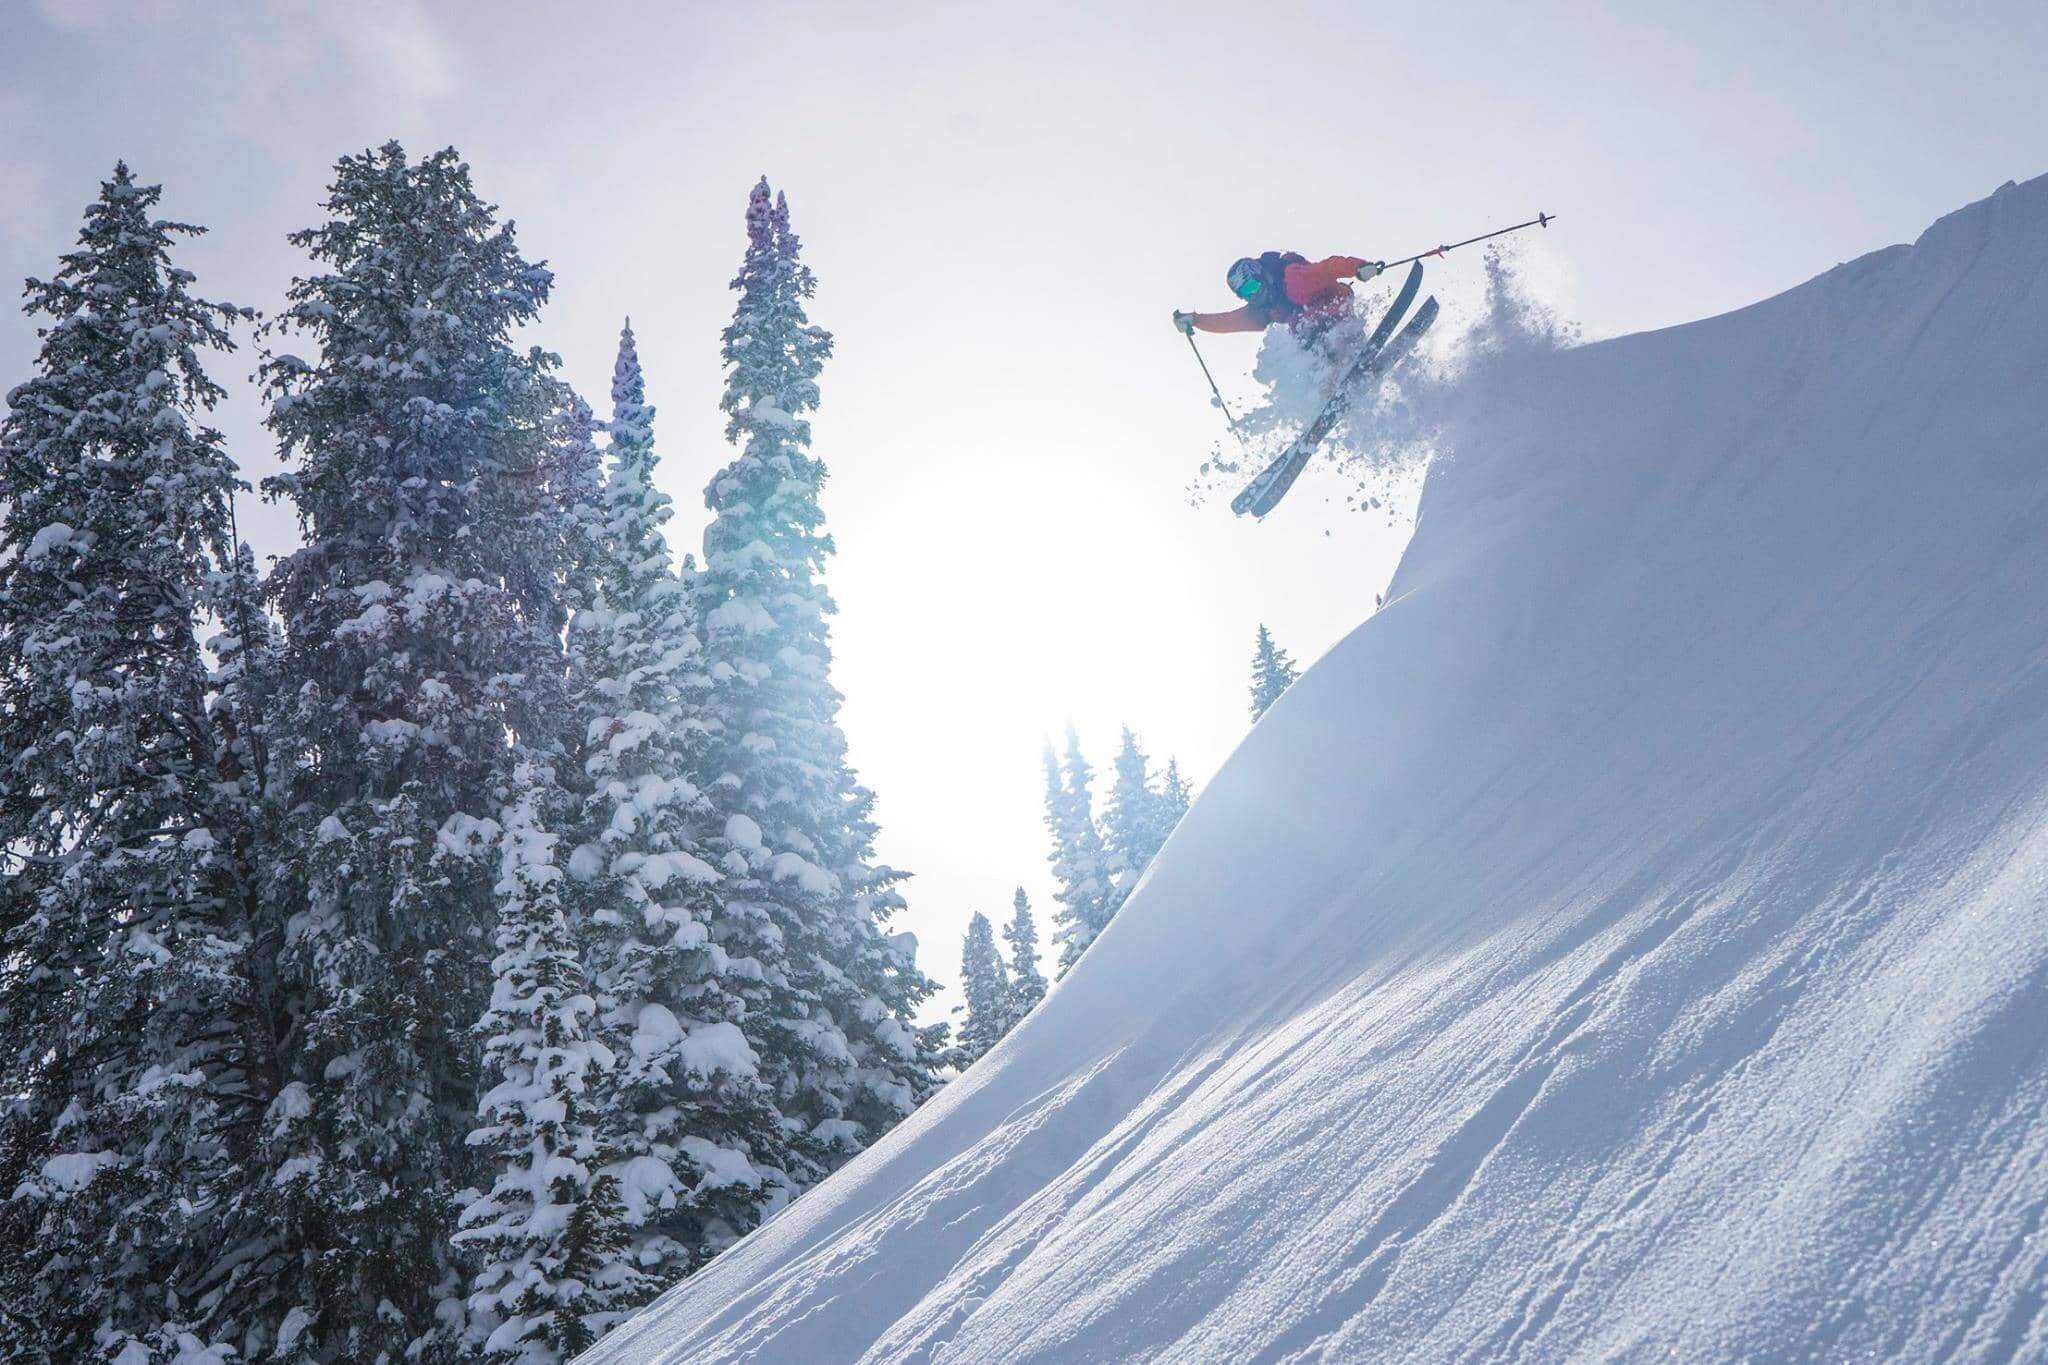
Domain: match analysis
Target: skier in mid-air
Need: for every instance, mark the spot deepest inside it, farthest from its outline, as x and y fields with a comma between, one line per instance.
x=1285, y=287
x=1308, y=297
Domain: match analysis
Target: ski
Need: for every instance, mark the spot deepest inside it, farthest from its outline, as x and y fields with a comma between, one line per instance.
x=1404, y=298
x=1263, y=493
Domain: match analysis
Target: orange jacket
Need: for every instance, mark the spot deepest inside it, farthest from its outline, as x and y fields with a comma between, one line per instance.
x=1319, y=287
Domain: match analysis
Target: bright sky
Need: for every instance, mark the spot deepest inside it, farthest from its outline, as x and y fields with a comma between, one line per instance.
x=1003, y=203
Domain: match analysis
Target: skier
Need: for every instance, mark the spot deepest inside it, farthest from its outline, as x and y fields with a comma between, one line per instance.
x=1285, y=287
x=1281, y=286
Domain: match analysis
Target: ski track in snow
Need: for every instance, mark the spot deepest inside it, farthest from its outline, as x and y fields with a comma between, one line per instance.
x=1631, y=942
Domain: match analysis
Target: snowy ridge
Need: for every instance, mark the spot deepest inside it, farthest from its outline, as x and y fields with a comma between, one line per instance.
x=1632, y=941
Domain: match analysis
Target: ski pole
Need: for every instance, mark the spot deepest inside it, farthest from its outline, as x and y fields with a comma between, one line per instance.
x=1542, y=220
x=1219, y=395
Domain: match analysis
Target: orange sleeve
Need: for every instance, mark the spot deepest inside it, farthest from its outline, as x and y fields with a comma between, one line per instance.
x=1306, y=283
x=1236, y=320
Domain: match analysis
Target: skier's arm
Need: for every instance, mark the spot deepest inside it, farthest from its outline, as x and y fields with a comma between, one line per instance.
x=1236, y=320
x=1306, y=283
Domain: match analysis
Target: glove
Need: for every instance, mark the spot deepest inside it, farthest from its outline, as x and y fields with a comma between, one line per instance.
x=1371, y=270
x=1185, y=322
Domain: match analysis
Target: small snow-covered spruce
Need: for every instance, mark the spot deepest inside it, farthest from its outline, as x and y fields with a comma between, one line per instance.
x=1079, y=862
x=1167, y=800
x=1140, y=815
x=804, y=898
x=546, y=1274
x=424, y=456
x=1176, y=794
x=690, y=1130
x=1027, y=984
x=132, y=1067
x=987, y=987
x=1136, y=819
x=1272, y=673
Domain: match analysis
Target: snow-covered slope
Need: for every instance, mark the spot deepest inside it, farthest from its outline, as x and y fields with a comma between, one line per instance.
x=1633, y=941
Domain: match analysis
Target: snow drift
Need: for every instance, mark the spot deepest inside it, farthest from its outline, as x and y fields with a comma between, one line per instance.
x=1633, y=941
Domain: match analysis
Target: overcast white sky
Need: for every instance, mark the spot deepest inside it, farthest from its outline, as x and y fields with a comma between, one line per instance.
x=1003, y=203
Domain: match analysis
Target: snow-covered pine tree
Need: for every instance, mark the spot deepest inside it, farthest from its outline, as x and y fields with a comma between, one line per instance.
x=1141, y=813
x=1027, y=984
x=806, y=901
x=690, y=1129
x=1272, y=672
x=1176, y=793
x=1079, y=863
x=133, y=1068
x=421, y=639
x=546, y=1240
x=1131, y=818
x=985, y=983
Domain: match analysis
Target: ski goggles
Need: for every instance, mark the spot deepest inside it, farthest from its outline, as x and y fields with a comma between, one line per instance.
x=1249, y=287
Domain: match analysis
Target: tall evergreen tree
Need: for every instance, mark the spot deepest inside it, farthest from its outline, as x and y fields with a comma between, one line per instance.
x=421, y=624
x=805, y=898
x=1086, y=896
x=547, y=1236
x=1272, y=673
x=690, y=1128
x=1027, y=984
x=989, y=1008
x=132, y=1069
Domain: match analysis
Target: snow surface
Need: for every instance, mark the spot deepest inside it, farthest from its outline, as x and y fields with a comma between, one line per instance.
x=1632, y=942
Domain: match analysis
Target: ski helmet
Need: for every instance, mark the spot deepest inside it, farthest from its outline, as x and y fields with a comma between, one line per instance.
x=1246, y=279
